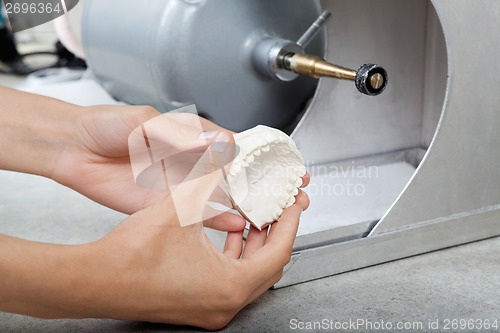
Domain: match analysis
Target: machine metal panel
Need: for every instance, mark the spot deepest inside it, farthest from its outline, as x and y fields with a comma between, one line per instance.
x=347, y=256
x=454, y=195
x=435, y=76
x=461, y=171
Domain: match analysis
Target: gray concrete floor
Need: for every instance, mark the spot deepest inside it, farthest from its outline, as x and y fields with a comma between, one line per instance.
x=457, y=283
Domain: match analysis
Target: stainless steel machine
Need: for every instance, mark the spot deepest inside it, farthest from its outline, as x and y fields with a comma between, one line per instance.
x=237, y=61
x=410, y=170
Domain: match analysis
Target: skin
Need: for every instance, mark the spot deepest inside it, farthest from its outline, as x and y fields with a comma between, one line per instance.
x=148, y=268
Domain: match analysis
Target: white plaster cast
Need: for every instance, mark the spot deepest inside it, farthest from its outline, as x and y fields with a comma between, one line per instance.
x=265, y=176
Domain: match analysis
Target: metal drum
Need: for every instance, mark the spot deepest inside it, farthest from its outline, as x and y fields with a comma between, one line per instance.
x=172, y=53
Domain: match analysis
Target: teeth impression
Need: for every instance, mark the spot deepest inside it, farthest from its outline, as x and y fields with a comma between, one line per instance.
x=265, y=176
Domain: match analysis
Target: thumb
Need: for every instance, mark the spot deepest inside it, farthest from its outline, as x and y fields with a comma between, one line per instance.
x=188, y=198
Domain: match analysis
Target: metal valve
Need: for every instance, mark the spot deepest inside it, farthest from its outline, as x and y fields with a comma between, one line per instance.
x=370, y=79
x=285, y=60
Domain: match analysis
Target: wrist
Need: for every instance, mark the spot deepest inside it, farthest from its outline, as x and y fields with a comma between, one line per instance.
x=59, y=143
x=55, y=141
x=35, y=131
x=44, y=280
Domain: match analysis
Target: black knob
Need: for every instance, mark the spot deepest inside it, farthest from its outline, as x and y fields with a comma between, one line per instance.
x=371, y=79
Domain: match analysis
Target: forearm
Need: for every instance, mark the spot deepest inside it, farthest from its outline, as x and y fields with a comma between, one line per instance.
x=44, y=280
x=87, y=281
x=34, y=131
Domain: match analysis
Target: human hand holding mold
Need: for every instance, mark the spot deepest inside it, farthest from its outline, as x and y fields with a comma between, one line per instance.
x=149, y=267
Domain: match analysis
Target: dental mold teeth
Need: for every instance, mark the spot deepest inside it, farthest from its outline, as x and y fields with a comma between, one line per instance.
x=264, y=178
x=250, y=158
x=299, y=182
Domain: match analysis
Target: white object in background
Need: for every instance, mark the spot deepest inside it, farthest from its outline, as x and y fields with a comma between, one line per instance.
x=264, y=178
x=81, y=92
x=68, y=29
x=50, y=76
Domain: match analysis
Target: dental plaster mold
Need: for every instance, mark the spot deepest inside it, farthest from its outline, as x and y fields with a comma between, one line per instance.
x=265, y=176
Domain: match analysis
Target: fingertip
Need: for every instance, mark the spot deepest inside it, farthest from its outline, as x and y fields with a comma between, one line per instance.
x=226, y=222
x=284, y=231
x=236, y=222
x=306, y=180
x=302, y=199
x=231, y=135
x=218, y=135
x=225, y=136
x=293, y=210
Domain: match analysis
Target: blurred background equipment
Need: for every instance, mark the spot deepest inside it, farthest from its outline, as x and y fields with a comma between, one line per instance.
x=8, y=50
x=29, y=51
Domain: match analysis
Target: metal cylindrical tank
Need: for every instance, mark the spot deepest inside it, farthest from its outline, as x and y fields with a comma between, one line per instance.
x=171, y=53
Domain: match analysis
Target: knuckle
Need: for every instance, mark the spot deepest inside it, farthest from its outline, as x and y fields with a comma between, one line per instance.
x=235, y=299
x=232, y=295
x=217, y=321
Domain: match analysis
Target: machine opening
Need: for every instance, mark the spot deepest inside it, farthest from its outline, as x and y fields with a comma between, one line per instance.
x=362, y=151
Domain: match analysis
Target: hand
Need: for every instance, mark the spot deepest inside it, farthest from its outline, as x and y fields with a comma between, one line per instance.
x=97, y=163
x=150, y=269
x=84, y=148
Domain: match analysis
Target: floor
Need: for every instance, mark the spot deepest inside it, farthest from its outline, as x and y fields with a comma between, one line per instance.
x=459, y=283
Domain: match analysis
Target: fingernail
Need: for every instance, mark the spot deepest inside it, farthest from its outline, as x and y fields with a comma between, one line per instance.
x=223, y=137
x=208, y=136
x=221, y=142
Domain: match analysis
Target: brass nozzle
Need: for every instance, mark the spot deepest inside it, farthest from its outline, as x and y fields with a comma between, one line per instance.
x=316, y=67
